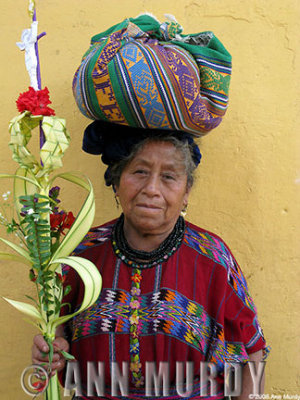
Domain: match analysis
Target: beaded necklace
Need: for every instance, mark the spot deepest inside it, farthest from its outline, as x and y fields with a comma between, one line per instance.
x=131, y=256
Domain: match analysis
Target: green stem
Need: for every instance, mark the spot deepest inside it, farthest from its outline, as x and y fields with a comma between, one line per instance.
x=55, y=245
x=21, y=236
x=53, y=391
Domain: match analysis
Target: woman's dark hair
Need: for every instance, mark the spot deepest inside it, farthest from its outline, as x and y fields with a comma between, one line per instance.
x=116, y=169
x=118, y=145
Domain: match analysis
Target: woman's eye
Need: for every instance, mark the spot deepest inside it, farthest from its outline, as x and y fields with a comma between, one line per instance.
x=168, y=177
x=140, y=171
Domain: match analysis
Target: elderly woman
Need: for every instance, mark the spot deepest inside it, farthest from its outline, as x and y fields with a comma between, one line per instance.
x=172, y=292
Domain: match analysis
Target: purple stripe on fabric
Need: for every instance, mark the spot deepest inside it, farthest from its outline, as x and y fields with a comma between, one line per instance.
x=195, y=275
x=116, y=274
x=219, y=309
x=214, y=94
x=159, y=81
x=238, y=313
x=82, y=75
x=112, y=348
x=216, y=67
x=157, y=280
x=210, y=280
x=253, y=340
x=130, y=93
x=228, y=297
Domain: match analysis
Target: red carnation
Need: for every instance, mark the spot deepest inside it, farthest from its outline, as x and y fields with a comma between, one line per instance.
x=61, y=221
x=55, y=220
x=35, y=101
x=68, y=220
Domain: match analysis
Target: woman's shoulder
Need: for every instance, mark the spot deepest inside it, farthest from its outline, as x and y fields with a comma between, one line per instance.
x=95, y=237
x=205, y=241
x=212, y=247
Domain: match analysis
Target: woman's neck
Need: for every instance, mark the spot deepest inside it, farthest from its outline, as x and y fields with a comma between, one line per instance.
x=144, y=241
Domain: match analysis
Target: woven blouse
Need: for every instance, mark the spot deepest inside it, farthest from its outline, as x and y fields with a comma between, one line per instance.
x=193, y=307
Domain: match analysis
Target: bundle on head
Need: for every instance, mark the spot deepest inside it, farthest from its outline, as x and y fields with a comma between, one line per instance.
x=145, y=74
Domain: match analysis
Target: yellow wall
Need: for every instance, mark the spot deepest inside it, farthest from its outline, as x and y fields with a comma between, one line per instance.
x=248, y=184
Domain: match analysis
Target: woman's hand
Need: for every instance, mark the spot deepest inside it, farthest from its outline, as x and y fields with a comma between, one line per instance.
x=40, y=350
x=247, y=390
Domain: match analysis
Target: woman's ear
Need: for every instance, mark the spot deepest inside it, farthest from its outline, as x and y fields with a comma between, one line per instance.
x=185, y=201
x=187, y=193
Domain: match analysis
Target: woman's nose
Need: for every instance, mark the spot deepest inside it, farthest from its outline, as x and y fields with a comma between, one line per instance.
x=152, y=185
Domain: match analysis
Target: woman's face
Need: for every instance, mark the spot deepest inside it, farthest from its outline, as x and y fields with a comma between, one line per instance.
x=153, y=188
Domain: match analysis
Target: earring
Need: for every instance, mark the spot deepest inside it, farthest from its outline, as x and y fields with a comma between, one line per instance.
x=117, y=201
x=184, y=211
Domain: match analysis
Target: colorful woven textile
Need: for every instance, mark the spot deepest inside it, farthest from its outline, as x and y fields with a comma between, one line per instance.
x=145, y=74
x=193, y=307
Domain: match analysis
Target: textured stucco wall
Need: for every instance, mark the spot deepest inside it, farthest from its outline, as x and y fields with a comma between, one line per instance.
x=248, y=184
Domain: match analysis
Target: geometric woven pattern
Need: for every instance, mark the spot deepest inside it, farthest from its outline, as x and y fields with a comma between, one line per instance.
x=133, y=75
x=193, y=307
x=167, y=312
x=93, y=237
x=214, y=248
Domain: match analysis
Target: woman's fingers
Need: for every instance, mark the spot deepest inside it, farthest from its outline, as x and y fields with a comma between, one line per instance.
x=40, y=352
x=40, y=343
x=60, y=343
x=58, y=366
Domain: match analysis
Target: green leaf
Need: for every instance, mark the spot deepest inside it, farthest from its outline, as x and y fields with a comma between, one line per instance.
x=25, y=183
x=26, y=308
x=24, y=178
x=67, y=290
x=22, y=252
x=84, y=218
x=31, y=298
x=51, y=350
x=57, y=306
x=66, y=355
x=66, y=304
x=13, y=257
x=46, y=286
x=37, y=231
x=91, y=278
x=47, y=278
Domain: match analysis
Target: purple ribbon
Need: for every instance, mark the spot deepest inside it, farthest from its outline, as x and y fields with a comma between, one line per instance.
x=38, y=73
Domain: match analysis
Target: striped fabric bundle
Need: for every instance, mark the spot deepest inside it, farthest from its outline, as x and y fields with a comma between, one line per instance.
x=145, y=74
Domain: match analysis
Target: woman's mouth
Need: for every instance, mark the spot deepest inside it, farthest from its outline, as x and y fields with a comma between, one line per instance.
x=148, y=206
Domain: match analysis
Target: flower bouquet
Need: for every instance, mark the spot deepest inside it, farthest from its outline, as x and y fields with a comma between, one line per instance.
x=44, y=245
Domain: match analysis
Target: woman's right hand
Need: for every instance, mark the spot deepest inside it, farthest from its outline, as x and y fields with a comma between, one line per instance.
x=40, y=350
